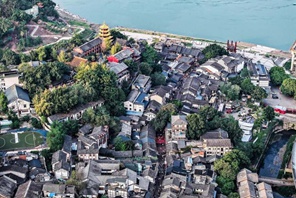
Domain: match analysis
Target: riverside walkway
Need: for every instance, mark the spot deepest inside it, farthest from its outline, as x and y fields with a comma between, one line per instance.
x=276, y=182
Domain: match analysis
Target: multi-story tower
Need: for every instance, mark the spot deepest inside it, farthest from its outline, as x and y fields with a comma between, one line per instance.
x=104, y=31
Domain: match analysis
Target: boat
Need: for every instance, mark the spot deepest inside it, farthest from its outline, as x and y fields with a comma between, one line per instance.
x=294, y=4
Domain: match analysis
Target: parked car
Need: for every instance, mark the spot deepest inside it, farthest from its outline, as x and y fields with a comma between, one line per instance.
x=274, y=96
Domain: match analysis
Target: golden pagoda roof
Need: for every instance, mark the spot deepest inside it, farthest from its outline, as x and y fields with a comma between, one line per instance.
x=104, y=26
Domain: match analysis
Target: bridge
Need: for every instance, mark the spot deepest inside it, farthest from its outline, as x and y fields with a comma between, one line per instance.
x=276, y=182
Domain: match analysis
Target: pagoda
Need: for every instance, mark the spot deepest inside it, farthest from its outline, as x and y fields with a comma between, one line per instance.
x=104, y=32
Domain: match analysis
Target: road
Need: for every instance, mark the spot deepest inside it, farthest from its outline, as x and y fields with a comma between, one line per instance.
x=161, y=171
x=276, y=182
x=282, y=100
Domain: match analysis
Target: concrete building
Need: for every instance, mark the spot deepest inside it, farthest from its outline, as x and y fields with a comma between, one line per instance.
x=248, y=186
x=8, y=78
x=121, y=71
x=216, y=142
x=93, y=46
x=178, y=127
x=259, y=74
x=142, y=83
x=136, y=102
x=18, y=100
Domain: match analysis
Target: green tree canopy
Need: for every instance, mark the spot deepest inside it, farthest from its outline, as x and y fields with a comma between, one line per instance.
x=196, y=126
x=269, y=113
x=213, y=51
x=277, y=75
x=288, y=87
x=163, y=116
x=158, y=79
x=145, y=68
x=3, y=102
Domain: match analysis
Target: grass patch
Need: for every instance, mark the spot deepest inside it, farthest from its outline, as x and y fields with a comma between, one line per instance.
x=78, y=23
x=26, y=140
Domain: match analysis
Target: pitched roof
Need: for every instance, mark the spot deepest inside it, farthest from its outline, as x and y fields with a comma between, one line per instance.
x=89, y=45
x=178, y=119
x=15, y=92
x=117, y=68
x=54, y=188
x=58, y=156
x=29, y=189
x=7, y=186
x=218, y=143
x=67, y=144
x=162, y=90
x=77, y=61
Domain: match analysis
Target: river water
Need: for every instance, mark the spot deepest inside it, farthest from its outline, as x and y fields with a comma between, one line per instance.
x=266, y=22
x=274, y=156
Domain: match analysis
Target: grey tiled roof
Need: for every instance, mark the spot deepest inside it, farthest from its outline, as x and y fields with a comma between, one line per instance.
x=89, y=45
x=15, y=92
x=7, y=186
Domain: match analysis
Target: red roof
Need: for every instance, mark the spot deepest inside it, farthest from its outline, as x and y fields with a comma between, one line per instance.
x=112, y=59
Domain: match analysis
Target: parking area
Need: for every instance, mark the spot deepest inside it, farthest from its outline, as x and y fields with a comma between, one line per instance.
x=282, y=100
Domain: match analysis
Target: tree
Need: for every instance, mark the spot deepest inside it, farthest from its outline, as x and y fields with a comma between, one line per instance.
x=287, y=65
x=247, y=86
x=150, y=56
x=244, y=73
x=228, y=167
x=196, y=126
x=62, y=56
x=228, y=186
x=230, y=164
x=121, y=145
x=89, y=116
x=163, y=116
x=145, y=68
x=116, y=34
x=288, y=87
x=158, y=79
x=259, y=93
x=269, y=113
x=232, y=92
x=125, y=86
x=115, y=48
x=10, y=58
x=55, y=137
x=3, y=102
x=277, y=75
x=71, y=127
x=232, y=127
x=213, y=51
x=36, y=123
x=132, y=66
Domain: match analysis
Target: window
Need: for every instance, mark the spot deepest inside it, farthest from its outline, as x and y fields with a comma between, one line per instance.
x=25, y=106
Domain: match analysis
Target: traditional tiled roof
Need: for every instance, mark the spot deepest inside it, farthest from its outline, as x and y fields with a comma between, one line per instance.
x=7, y=187
x=15, y=92
x=77, y=61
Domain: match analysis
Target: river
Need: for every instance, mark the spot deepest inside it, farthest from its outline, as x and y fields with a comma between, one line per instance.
x=274, y=155
x=270, y=23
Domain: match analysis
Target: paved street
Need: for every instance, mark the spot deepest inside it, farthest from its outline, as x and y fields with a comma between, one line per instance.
x=283, y=100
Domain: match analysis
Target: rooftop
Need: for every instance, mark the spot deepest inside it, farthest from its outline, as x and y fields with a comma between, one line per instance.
x=15, y=92
x=90, y=44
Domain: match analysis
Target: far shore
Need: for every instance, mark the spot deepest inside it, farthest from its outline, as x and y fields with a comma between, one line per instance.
x=136, y=33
